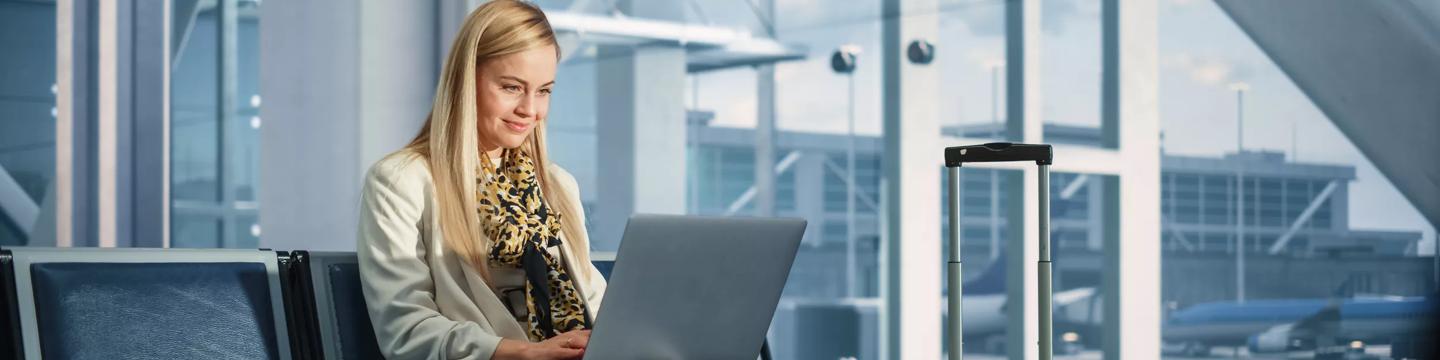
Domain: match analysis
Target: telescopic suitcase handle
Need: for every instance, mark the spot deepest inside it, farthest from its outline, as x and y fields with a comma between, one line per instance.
x=956, y=156
x=998, y=152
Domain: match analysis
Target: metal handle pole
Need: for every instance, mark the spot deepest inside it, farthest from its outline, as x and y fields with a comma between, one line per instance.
x=1047, y=336
x=955, y=282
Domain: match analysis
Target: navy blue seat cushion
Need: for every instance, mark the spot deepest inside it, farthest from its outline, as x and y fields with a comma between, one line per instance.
x=352, y=319
x=154, y=311
x=605, y=267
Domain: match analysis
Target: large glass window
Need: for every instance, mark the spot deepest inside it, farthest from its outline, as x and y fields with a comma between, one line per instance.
x=834, y=285
x=27, y=116
x=972, y=69
x=825, y=116
x=1077, y=231
x=1214, y=82
x=970, y=59
x=984, y=230
x=1070, y=70
x=215, y=124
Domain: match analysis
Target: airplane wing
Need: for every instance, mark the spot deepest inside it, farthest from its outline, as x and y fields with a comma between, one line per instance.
x=1072, y=296
x=1315, y=331
x=1063, y=298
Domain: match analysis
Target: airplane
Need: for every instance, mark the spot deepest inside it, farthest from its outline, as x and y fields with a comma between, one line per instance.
x=985, y=302
x=1328, y=326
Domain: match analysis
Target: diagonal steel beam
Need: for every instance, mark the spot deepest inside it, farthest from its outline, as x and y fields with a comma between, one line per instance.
x=1073, y=187
x=750, y=193
x=845, y=176
x=1179, y=235
x=1304, y=217
x=16, y=204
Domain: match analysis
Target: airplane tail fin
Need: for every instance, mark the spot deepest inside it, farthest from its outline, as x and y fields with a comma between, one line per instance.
x=1345, y=290
x=990, y=281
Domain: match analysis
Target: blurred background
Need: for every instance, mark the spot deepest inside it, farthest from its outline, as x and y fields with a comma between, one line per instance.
x=1233, y=179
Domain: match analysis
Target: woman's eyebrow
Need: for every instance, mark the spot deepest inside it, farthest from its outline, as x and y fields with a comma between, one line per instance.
x=512, y=78
x=523, y=82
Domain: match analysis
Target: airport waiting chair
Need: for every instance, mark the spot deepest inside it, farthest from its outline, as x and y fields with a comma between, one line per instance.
x=338, y=321
x=74, y=303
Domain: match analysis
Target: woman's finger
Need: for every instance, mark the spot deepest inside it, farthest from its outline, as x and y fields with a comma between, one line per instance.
x=578, y=340
x=562, y=353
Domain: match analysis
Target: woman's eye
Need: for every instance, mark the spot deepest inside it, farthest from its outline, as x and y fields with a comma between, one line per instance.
x=544, y=91
x=511, y=88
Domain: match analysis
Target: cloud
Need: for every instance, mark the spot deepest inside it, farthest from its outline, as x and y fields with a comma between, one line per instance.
x=985, y=58
x=1207, y=70
x=1056, y=15
x=980, y=20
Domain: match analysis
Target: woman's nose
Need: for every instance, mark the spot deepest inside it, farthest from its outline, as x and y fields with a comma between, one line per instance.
x=526, y=107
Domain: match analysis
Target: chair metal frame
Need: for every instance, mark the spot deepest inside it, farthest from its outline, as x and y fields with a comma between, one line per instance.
x=310, y=277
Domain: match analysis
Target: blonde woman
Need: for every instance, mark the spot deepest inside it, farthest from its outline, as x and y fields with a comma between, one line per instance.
x=472, y=244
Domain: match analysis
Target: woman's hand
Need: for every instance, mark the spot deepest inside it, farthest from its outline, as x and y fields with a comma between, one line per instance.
x=574, y=342
x=570, y=345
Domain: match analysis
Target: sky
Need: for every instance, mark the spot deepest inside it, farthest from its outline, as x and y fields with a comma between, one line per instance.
x=1203, y=55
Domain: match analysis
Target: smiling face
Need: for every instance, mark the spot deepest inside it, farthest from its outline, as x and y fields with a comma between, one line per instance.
x=513, y=96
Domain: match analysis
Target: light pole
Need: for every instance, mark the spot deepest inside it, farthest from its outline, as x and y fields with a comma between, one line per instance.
x=1240, y=88
x=995, y=66
x=843, y=62
x=693, y=143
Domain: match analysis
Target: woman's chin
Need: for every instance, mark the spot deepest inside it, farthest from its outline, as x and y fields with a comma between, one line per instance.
x=512, y=143
x=507, y=140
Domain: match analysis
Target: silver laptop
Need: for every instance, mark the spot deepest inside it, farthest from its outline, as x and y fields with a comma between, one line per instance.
x=687, y=287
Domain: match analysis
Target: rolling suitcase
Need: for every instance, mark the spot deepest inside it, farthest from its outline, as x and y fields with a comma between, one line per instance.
x=956, y=156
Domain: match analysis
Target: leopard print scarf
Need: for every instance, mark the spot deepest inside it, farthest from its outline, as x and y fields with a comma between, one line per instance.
x=521, y=226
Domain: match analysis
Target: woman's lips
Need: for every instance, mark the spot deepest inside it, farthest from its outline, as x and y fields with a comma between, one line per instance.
x=516, y=126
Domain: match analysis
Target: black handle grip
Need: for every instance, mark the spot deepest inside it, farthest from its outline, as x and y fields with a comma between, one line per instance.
x=1041, y=154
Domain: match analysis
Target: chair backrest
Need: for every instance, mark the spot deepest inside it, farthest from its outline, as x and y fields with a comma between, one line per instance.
x=605, y=267
x=75, y=303
x=343, y=321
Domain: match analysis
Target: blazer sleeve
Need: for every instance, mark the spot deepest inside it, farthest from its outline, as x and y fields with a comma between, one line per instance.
x=395, y=275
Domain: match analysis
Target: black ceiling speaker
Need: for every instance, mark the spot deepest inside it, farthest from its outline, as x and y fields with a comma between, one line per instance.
x=920, y=52
x=843, y=61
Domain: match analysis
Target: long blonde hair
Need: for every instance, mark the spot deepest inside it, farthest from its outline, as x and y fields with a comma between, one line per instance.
x=448, y=142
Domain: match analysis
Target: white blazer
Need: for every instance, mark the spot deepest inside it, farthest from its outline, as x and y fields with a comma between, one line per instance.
x=424, y=301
